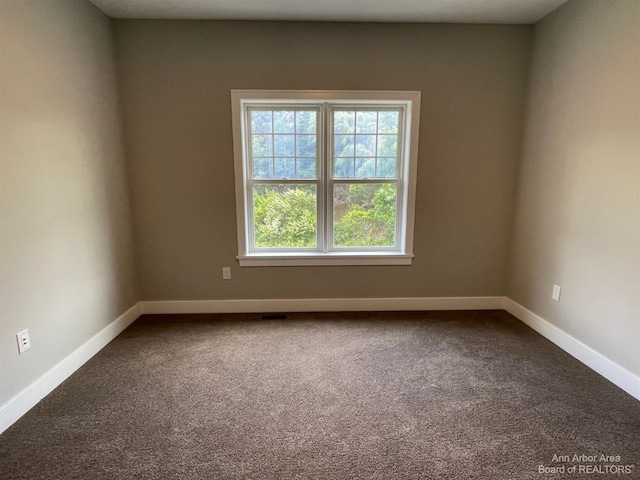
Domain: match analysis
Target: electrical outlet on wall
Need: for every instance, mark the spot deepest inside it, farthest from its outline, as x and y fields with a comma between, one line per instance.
x=24, y=343
x=555, y=295
x=226, y=273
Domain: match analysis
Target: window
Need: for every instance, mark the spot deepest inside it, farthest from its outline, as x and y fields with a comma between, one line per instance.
x=325, y=177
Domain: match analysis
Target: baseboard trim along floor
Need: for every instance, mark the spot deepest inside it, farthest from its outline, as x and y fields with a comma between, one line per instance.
x=324, y=305
x=21, y=403
x=610, y=370
x=24, y=401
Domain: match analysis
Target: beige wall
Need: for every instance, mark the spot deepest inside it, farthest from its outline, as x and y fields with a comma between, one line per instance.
x=66, y=267
x=176, y=78
x=578, y=211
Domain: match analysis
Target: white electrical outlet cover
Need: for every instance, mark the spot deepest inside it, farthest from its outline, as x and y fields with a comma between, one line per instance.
x=23, y=341
x=556, y=293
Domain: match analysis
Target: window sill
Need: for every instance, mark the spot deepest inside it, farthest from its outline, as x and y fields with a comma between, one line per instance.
x=326, y=259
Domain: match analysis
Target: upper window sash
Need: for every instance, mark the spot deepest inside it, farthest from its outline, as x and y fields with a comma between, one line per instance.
x=283, y=142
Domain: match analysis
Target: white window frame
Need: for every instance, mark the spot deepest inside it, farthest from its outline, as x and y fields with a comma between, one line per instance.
x=402, y=252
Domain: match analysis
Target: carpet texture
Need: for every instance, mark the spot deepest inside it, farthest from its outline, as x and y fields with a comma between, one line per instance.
x=401, y=395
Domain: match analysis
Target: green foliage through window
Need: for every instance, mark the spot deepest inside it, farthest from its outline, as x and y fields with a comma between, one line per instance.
x=285, y=215
x=364, y=215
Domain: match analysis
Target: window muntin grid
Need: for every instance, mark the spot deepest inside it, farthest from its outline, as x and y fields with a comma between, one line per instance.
x=283, y=142
x=366, y=142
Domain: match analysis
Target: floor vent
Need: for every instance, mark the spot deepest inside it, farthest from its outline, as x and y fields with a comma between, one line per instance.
x=274, y=317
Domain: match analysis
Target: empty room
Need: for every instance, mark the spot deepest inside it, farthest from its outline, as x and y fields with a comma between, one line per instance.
x=315, y=239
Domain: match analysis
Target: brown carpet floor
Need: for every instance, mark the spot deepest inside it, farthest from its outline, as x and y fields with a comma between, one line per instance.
x=412, y=395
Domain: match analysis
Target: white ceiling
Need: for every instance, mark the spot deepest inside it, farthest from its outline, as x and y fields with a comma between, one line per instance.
x=432, y=11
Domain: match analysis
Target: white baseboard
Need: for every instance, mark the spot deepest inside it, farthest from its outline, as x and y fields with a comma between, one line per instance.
x=323, y=305
x=610, y=370
x=11, y=411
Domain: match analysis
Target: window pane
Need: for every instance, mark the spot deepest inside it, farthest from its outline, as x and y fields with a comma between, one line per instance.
x=344, y=122
x=366, y=145
x=261, y=145
x=261, y=121
x=262, y=168
x=306, y=168
x=388, y=122
x=284, y=167
x=306, y=122
x=294, y=139
x=386, y=168
x=387, y=145
x=283, y=146
x=284, y=155
x=343, y=145
x=283, y=121
x=376, y=135
x=285, y=215
x=306, y=145
x=365, y=167
x=364, y=215
x=366, y=122
x=343, y=168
